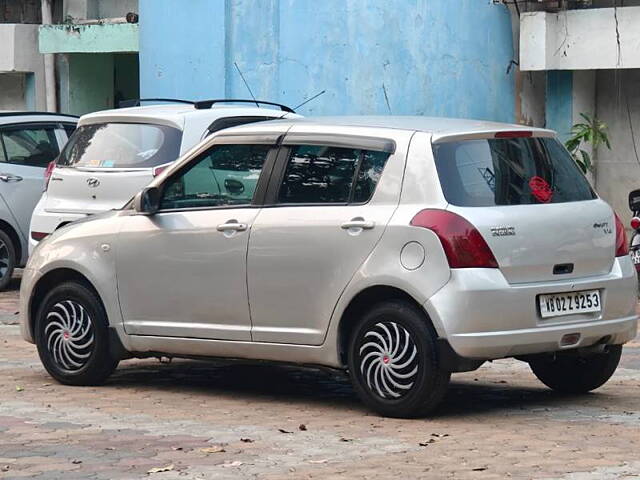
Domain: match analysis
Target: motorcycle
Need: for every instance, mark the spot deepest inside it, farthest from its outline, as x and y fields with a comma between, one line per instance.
x=634, y=246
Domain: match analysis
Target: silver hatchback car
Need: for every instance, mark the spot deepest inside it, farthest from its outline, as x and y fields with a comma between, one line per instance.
x=401, y=249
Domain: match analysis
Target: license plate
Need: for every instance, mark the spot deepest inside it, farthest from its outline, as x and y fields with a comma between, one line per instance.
x=556, y=304
x=635, y=255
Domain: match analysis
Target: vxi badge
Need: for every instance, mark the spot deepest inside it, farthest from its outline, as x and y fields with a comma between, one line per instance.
x=503, y=231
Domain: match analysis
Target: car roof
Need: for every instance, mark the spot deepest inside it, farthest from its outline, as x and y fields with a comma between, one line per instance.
x=16, y=116
x=174, y=114
x=438, y=127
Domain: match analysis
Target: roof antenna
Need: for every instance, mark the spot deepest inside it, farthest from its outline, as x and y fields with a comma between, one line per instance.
x=246, y=84
x=307, y=101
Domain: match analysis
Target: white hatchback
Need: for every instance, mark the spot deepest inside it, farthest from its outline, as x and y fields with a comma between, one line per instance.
x=114, y=153
x=401, y=249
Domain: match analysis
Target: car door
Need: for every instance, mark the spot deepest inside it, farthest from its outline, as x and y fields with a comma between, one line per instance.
x=182, y=271
x=25, y=152
x=323, y=216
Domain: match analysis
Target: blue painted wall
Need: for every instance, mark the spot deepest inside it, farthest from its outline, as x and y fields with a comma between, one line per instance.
x=431, y=57
x=559, y=102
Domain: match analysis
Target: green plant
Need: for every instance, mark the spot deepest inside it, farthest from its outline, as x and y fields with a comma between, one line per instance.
x=593, y=132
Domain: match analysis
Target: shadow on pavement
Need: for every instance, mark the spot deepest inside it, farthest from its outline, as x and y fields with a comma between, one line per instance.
x=306, y=386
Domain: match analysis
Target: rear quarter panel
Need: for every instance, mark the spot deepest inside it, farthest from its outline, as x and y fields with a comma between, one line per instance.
x=383, y=267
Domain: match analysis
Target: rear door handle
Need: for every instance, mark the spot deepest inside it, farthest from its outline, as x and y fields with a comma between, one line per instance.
x=232, y=225
x=358, y=222
x=7, y=177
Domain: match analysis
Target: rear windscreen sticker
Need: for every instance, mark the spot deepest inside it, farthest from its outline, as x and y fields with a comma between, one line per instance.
x=540, y=189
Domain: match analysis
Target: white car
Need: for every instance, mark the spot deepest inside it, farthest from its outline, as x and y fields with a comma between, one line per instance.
x=401, y=249
x=114, y=153
x=29, y=142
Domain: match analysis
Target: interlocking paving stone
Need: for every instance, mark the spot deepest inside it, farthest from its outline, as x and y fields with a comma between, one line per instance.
x=498, y=422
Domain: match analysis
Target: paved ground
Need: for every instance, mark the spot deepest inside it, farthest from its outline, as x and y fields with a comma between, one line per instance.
x=202, y=420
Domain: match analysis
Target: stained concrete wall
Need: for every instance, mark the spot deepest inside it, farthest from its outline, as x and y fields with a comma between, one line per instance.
x=19, y=54
x=12, y=91
x=432, y=57
x=86, y=82
x=598, y=38
x=618, y=105
x=97, y=9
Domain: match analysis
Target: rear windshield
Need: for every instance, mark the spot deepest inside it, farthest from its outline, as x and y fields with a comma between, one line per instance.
x=121, y=145
x=513, y=171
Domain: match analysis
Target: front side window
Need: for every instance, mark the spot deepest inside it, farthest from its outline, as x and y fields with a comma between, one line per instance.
x=322, y=174
x=121, y=145
x=514, y=171
x=32, y=146
x=224, y=175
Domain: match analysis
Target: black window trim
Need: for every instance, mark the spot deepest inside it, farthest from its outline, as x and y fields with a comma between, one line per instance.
x=277, y=175
x=261, y=185
x=26, y=125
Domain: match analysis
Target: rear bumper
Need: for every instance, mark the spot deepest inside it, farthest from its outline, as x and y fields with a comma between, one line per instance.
x=48, y=222
x=484, y=317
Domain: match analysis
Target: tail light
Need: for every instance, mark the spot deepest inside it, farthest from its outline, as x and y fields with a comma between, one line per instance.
x=47, y=174
x=463, y=244
x=514, y=134
x=159, y=169
x=37, y=236
x=622, y=247
x=635, y=223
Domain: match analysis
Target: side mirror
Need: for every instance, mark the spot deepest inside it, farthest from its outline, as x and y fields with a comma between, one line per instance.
x=634, y=200
x=147, y=201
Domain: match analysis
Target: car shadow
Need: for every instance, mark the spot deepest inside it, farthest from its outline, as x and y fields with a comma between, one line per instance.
x=323, y=387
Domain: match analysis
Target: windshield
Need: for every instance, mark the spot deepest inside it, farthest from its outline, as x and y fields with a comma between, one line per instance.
x=513, y=171
x=121, y=145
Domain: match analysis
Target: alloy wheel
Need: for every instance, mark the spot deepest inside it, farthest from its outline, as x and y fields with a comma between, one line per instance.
x=388, y=360
x=69, y=335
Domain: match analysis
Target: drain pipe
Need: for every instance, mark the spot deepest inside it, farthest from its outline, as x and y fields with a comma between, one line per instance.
x=49, y=63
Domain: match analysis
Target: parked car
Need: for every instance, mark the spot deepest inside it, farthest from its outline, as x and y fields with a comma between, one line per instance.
x=30, y=140
x=115, y=153
x=401, y=249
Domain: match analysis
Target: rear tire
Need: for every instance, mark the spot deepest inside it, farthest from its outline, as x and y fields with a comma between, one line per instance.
x=571, y=373
x=7, y=259
x=72, y=336
x=393, y=361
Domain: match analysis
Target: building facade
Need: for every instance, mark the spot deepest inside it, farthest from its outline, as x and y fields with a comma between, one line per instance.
x=423, y=57
x=590, y=58
x=21, y=65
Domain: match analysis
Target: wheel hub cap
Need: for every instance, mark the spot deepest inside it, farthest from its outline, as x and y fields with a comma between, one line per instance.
x=388, y=360
x=69, y=335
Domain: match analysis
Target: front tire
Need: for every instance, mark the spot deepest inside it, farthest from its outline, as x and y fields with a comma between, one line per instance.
x=72, y=336
x=7, y=259
x=393, y=361
x=572, y=373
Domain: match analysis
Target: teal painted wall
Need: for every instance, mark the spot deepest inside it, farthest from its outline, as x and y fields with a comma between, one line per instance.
x=559, y=102
x=107, y=38
x=431, y=57
x=86, y=82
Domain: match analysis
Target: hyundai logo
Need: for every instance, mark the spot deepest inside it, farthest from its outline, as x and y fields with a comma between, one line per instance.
x=93, y=182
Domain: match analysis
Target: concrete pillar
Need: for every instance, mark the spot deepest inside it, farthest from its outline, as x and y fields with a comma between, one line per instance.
x=559, y=102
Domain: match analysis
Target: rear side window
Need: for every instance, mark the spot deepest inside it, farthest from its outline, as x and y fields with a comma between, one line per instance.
x=513, y=171
x=224, y=175
x=323, y=174
x=121, y=145
x=32, y=146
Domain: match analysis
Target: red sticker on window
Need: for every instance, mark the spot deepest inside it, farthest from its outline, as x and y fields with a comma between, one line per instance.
x=540, y=189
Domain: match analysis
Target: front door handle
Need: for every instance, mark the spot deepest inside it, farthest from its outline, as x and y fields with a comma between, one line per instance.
x=232, y=225
x=358, y=222
x=7, y=177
